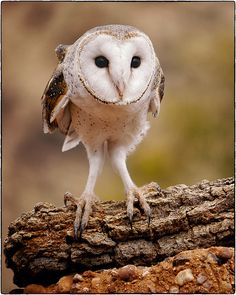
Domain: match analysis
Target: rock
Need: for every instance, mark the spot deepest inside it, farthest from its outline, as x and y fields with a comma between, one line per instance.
x=201, y=278
x=207, y=284
x=174, y=289
x=34, y=289
x=184, y=276
x=200, y=274
x=223, y=255
x=95, y=282
x=212, y=258
x=145, y=273
x=77, y=278
x=151, y=286
x=64, y=284
x=227, y=288
x=127, y=273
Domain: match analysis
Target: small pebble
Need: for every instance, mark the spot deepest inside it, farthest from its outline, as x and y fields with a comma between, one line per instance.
x=207, y=284
x=34, y=289
x=145, y=273
x=201, y=278
x=77, y=278
x=225, y=253
x=86, y=289
x=95, y=282
x=174, y=289
x=70, y=233
x=227, y=288
x=64, y=284
x=114, y=272
x=212, y=258
x=111, y=288
x=151, y=286
x=184, y=276
x=127, y=273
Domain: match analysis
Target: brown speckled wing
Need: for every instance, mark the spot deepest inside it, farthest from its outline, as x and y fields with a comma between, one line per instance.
x=157, y=90
x=54, y=96
x=161, y=86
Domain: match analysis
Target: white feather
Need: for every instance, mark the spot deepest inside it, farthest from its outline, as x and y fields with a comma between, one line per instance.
x=61, y=105
x=72, y=140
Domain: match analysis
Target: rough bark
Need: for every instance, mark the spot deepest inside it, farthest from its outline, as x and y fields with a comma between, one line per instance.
x=40, y=247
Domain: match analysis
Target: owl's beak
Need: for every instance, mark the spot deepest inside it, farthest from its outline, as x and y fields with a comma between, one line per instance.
x=120, y=88
x=119, y=80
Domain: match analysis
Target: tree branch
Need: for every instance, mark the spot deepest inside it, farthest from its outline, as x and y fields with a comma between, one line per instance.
x=40, y=247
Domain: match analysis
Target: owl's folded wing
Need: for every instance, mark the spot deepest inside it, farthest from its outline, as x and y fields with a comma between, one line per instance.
x=56, y=110
x=54, y=101
x=157, y=91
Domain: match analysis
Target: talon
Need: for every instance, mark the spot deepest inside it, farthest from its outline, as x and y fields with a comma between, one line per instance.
x=84, y=210
x=68, y=197
x=76, y=231
x=82, y=227
x=130, y=218
x=140, y=194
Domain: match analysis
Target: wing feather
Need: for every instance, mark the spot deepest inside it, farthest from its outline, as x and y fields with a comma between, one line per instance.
x=54, y=99
x=157, y=91
x=72, y=139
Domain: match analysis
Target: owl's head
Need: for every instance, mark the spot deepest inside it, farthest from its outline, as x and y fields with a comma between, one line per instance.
x=115, y=63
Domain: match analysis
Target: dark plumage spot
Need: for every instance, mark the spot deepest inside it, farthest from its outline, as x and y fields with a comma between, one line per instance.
x=161, y=87
x=101, y=61
x=54, y=91
x=135, y=62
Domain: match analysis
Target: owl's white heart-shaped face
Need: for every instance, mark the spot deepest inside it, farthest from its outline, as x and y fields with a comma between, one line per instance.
x=116, y=69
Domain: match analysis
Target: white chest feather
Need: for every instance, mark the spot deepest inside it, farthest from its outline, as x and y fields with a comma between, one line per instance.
x=97, y=123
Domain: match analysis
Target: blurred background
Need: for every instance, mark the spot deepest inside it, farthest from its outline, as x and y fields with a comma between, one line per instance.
x=193, y=137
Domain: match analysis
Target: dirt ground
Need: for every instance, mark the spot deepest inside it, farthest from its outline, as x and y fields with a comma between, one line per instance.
x=195, y=271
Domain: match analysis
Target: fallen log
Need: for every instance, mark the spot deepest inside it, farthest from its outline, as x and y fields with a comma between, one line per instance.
x=40, y=246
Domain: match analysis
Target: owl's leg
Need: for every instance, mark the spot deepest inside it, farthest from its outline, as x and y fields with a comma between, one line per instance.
x=88, y=198
x=118, y=158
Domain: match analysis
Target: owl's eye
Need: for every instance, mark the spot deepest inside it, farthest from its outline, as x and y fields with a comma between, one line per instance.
x=101, y=61
x=135, y=62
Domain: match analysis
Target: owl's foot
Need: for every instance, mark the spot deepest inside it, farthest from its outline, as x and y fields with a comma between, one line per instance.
x=141, y=194
x=84, y=209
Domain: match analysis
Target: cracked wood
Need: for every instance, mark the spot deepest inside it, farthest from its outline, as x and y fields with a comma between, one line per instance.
x=40, y=246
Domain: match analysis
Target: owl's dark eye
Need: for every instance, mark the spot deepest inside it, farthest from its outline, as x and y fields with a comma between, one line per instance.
x=101, y=61
x=135, y=62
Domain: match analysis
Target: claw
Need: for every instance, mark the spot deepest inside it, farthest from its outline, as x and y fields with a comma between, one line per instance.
x=140, y=194
x=82, y=227
x=130, y=218
x=68, y=197
x=76, y=231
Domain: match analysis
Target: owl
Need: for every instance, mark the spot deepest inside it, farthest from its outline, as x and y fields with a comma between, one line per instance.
x=99, y=95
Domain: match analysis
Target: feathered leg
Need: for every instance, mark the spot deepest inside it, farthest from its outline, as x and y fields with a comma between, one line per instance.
x=118, y=158
x=88, y=198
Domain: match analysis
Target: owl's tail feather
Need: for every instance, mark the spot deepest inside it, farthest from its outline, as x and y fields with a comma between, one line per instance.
x=72, y=139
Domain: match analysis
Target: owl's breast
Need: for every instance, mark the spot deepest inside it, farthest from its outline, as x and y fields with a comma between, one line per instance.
x=108, y=123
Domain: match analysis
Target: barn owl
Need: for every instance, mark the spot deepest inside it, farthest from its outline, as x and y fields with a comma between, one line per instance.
x=99, y=95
